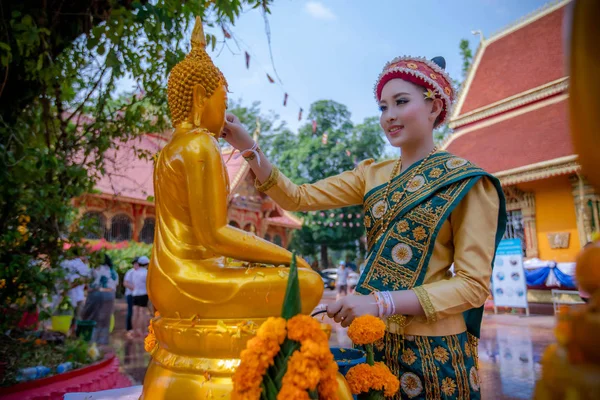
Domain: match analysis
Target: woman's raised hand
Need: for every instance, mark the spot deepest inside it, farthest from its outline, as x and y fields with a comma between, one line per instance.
x=235, y=134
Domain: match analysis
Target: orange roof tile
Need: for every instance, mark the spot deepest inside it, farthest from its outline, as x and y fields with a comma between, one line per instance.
x=528, y=138
x=523, y=59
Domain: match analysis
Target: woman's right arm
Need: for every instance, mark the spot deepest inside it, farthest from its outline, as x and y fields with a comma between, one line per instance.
x=345, y=189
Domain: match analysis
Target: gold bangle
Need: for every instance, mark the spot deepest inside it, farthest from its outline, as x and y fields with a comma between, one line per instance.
x=269, y=183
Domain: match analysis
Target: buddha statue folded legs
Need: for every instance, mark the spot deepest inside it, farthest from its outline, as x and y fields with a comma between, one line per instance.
x=208, y=308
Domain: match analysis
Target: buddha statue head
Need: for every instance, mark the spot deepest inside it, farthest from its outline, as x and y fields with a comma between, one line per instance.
x=197, y=90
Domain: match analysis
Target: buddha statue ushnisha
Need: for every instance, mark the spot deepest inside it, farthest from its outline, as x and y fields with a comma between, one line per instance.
x=209, y=308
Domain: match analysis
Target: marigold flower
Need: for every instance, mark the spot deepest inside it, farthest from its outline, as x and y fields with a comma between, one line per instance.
x=274, y=326
x=150, y=342
x=319, y=352
x=303, y=327
x=302, y=372
x=366, y=329
x=359, y=378
x=391, y=384
x=291, y=392
x=328, y=387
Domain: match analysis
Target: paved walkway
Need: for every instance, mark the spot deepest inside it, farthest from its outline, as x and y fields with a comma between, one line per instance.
x=510, y=350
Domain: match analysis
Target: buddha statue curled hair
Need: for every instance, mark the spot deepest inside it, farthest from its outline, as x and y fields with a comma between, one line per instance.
x=196, y=69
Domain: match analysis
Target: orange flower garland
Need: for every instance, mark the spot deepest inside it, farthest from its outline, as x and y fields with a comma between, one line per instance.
x=150, y=340
x=366, y=329
x=256, y=358
x=308, y=369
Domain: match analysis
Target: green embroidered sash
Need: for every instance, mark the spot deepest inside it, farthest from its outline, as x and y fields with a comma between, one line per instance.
x=398, y=258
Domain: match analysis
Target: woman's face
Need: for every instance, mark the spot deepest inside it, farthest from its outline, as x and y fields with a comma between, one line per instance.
x=406, y=116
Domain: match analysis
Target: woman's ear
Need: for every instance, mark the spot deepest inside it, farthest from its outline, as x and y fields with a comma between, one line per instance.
x=198, y=97
x=437, y=105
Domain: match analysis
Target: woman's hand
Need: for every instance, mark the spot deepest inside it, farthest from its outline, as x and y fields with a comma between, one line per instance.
x=235, y=134
x=350, y=307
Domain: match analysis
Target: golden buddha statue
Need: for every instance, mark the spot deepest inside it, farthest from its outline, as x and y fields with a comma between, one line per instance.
x=571, y=367
x=209, y=307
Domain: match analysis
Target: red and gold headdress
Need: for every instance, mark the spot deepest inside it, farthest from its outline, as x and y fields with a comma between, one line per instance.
x=422, y=72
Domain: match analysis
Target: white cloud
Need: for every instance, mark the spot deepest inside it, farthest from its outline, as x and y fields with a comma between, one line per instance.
x=319, y=11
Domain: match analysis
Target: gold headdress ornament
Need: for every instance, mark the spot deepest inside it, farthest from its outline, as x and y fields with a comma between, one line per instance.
x=195, y=69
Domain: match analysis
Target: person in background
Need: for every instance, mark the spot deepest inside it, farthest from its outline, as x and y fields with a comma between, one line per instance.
x=77, y=274
x=140, y=298
x=128, y=283
x=100, y=302
x=341, y=282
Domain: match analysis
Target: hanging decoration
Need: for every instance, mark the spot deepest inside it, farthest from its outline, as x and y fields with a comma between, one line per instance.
x=225, y=33
x=300, y=115
x=285, y=98
x=271, y=80
x=247, y=60
x=324, y=138
x=314, y=126
x=348, y=153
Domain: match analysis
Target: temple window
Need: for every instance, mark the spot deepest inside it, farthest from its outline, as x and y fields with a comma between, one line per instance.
x=268, y=237
x=514, y=226
x=147, y=234
x=277, y=240
x=250, y=228
x=120, y=228
x=95, y=224
x=234, y=224
x=520, y=209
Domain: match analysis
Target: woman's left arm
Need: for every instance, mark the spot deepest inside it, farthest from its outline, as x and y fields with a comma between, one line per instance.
x=474, y=223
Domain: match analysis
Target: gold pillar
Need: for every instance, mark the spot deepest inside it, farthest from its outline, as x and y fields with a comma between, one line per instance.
x=586, y=202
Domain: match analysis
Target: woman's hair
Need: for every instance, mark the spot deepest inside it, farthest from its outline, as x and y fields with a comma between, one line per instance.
x=107, y=260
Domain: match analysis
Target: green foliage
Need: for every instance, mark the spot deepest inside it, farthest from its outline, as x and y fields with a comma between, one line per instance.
x=123, y=257
x=467, y=56
x=305, y=158
x=79, y=79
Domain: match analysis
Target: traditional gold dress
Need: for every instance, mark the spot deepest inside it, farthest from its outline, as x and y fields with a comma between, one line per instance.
x=451, y=213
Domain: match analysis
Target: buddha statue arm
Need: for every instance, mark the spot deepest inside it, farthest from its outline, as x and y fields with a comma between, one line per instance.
x=345, y=189
x=207, y=191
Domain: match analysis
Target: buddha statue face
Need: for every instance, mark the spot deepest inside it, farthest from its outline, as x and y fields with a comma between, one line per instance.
x=209, y=113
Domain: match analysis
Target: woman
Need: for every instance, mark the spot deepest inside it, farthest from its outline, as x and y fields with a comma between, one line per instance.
x=100, y=302
x=423, y=212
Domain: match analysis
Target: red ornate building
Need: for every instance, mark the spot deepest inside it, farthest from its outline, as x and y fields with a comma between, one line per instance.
x=511, y=119
x=122, y=206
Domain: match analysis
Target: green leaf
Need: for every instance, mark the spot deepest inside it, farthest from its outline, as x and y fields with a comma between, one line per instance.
x=291, y=302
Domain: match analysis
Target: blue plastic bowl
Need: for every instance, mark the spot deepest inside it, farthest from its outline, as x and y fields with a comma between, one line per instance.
x=347, y=358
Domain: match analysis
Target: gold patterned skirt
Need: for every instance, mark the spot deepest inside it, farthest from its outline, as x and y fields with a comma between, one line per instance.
x=432, y=367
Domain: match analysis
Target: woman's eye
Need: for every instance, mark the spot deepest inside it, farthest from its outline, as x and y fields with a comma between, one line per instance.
x=382, y=108
x=401, y=101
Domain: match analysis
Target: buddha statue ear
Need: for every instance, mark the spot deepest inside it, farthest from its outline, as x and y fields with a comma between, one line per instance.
x=199, y=96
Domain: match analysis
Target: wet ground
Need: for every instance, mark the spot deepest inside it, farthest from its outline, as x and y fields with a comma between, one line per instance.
x=510, y=350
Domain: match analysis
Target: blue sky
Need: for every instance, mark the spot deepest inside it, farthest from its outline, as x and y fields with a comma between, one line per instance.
x=334, y=49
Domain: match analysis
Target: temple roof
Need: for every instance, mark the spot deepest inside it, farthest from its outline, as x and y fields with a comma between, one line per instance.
x=524, y=56
x=539, y=135
x=130, y=178
x=512, y=110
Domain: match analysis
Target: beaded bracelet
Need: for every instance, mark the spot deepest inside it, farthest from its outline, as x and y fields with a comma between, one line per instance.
x=254, y=153
x=385, y=304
